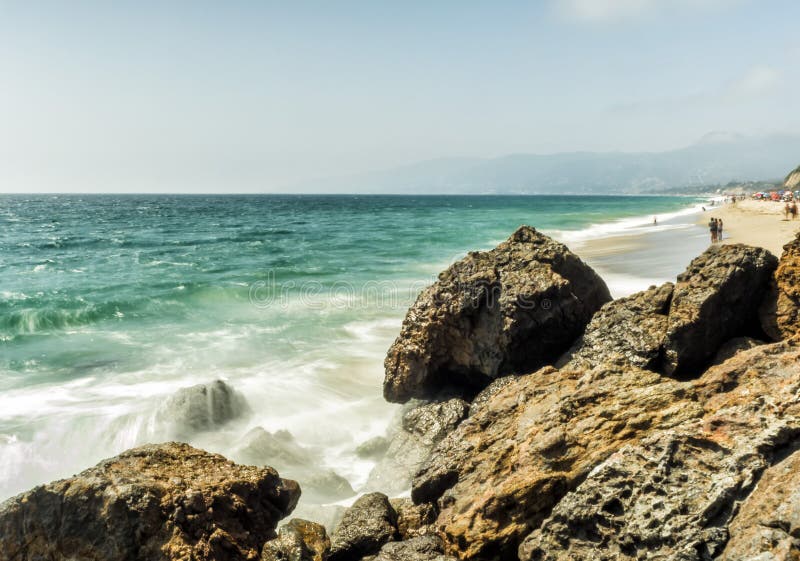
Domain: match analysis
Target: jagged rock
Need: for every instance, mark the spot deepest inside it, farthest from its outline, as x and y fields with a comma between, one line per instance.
x=715, y=299
x=499, y=474
x=373, y=448
x=413, y=520
x=298, y=540
x=201, y=408
x=768, y=523
x=421, y=429
x=731, y=348
x=626, y=332
x=488, y=392
x=365, y=528
x=281, y=451
x=780, y=312
x=424, y=548
x=167, y=501
x=508, y=310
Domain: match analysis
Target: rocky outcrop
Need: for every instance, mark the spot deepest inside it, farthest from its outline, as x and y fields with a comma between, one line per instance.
x=413, y=520
x=626, y=332
x=298, y=540
x=505, y=471
x=167, y=501
x=365, y=527
x=281, y=451
x=780, y=312
x=201, y=408
x=792, y=181
x=714, y=300
x=509, y=310
x=421, y=429
x=425, y=548
x=768, y=523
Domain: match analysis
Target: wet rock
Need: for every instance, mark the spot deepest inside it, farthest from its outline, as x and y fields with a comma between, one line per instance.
x=424, y=548
x=166, y=501
x=715, y=299
x=413, y=520
x=626, y=332
x=328, y=515
x=365, y=527
x=201, y=408
x=508, y=310
x=373, y=448
x=767, y=525
x=281, y=450
x=298, y=540
x=498, y=476
x=780, y=312
x=421, y=429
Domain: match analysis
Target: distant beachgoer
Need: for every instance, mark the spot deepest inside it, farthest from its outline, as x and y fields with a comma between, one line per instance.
x=655, y=220
x=712, y=226
x=704, y=208
x=719, y=229
x=793, y=210
x=786, y=210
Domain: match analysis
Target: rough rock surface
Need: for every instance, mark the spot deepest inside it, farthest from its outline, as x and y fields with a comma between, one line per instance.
x=282, y=452
x=715, y=299
x=157, y=502
x=780, y=313
x=201, y=408
x=768, y=523
x=509, y=310
x=626, y=332
x=365, y=527
x=413, y=520
x=298, y=540
x=424, y=548
x=792, y=180
x=503, y=472
x=421, y=429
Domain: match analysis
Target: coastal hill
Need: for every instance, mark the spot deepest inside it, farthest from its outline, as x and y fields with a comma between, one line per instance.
x=715, y=159
x=792, y=180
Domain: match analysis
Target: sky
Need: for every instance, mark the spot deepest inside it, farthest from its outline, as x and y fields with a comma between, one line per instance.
x=263, y=96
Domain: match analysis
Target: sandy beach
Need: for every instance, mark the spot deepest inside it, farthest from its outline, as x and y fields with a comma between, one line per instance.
x=758, y=223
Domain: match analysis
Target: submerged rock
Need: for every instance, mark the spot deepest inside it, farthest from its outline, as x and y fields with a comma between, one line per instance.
x=365, y=528
x=298, y=540
x=780, y=312
x=421, y=429
x=166, y=501
x=373, y=448
x=201, y=408
x=715, y=299
x=509, y=310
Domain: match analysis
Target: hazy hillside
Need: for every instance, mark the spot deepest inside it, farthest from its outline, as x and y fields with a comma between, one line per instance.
x=792, y=180
x=718, y=158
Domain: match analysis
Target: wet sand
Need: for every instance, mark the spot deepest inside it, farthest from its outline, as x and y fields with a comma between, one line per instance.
x=758, y=223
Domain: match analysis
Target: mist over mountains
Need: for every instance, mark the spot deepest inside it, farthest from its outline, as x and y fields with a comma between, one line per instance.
x=717, y=158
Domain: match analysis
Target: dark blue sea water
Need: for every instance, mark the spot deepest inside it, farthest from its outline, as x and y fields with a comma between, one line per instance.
x=108, y=304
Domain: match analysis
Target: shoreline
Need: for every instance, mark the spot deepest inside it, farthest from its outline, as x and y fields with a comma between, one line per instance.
x=756, y=223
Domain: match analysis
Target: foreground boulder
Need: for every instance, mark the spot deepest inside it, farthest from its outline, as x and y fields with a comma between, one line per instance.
x=509, y=310
x=299, y=540
x=365, y=527
x=506, y=472
x=157, y=502
x=715, y=299
x=423, y=548
x=780, y=313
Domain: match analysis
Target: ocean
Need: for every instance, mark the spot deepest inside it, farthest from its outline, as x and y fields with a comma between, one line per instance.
x=109, y=304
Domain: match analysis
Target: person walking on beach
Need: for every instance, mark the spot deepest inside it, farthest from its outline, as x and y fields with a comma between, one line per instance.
x=719, y=230
x=712, y=226
x=793, y=210
x=786, y=210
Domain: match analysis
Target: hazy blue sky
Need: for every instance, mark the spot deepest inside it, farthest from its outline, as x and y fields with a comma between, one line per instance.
x=257, y=96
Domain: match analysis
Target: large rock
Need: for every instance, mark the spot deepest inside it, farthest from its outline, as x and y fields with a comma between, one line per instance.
x=780, y=313
x=626, y=332
x=505, y=470
x=157, y=502
x=768, y=523
x=201, y=408
x=421, y=429
x=715, y=299
x=298, y=540
x=509, y=310
x=423, y=548
x=365, y=527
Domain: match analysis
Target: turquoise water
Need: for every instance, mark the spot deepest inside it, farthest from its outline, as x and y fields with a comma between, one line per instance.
x=108, y=304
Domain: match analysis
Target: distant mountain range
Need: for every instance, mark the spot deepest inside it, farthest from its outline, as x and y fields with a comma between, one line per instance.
x=718, y=158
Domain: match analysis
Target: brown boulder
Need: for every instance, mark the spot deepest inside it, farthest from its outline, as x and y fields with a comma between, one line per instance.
x=156, y=502
x=365, y=527
x=298, y=540
x=780, y=312
x=509, y=310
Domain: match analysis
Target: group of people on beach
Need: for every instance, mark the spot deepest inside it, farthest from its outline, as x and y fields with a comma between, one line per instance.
x=715, y=225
